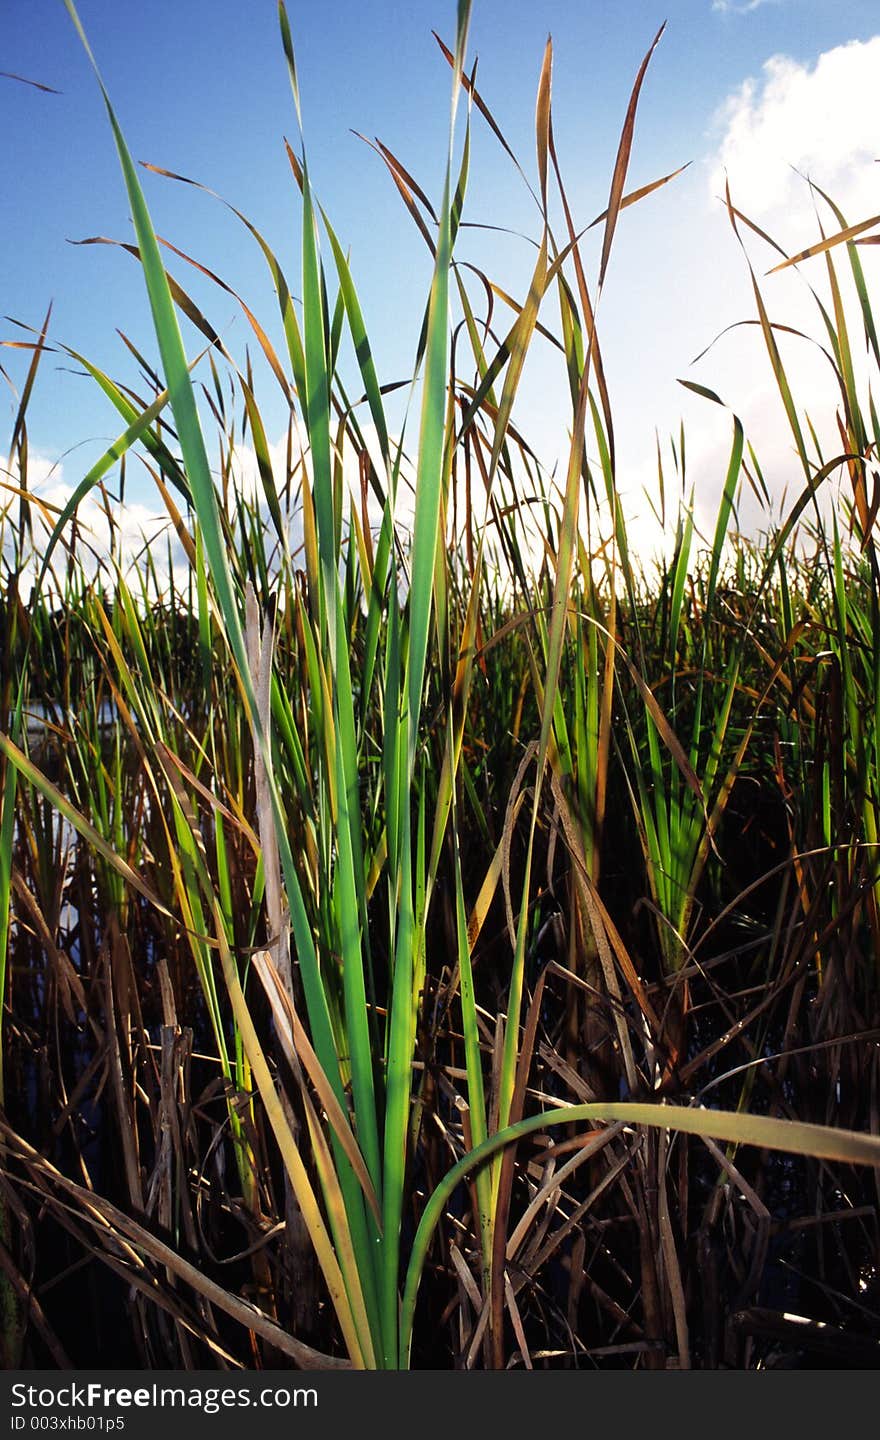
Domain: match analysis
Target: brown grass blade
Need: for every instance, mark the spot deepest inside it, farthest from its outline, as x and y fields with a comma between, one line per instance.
x=635, y=196
x=397, y=173
x=471, y=90
x=101, y=1212
x=618, y=179
x=293, y=1035
x=37, y=84
x=589, y=319
x=542, y=119
x=828, y=244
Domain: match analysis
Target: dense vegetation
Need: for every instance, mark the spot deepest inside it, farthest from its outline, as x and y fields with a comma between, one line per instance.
x=354, y=831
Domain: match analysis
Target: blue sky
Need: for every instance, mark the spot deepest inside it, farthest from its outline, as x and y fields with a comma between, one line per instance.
x=201, y=88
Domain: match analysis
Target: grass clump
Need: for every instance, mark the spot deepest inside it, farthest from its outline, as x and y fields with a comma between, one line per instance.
x=386, y=963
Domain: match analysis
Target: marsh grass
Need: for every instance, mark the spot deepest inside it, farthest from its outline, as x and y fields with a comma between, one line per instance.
x=396, y=925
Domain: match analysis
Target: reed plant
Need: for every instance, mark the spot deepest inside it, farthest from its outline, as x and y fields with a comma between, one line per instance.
x=313, y=846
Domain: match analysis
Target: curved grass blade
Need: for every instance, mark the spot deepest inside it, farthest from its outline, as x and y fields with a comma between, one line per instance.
x=791, y=1136
x=621, y=164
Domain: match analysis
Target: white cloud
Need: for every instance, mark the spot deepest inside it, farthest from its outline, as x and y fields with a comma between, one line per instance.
x=822, y=120
x=740, y=7
x=123, y=529
x=103, y=527
x=106, y=528
x=245, y=471
x=40, y=470
x=819, y=119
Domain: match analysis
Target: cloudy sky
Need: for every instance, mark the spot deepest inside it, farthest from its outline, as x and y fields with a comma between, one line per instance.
x=752, y=90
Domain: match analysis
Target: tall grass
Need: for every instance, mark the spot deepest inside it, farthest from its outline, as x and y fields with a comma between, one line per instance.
x=332, y=874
